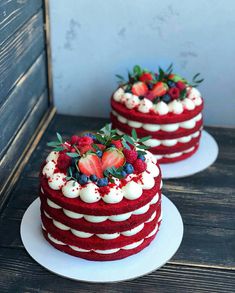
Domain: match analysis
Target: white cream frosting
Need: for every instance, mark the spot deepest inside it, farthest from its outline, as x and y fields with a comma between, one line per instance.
x=57, y=181
x=114, y=195
x=53, y=156
x=49, y=169
x=170, y=127
x=145, y=106
x=147, y=181
x=132, y=190
x=99, y=219
x=161, y=108
x=90, y=193
x=71, y=189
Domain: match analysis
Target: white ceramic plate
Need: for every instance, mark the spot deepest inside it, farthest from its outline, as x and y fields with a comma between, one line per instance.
x=204, y=157
x=151, y=258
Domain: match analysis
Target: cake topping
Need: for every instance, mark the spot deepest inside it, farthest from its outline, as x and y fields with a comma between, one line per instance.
x=95, y=160
x=145, y=90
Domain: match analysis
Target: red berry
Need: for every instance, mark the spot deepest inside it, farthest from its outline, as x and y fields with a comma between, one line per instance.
x=63, y=162
x=180, y=85
x=112, y=158
x=146, y=77
x=90, y=164
x=101, y=146
x=74, y=139
x=139, y=166
x=159, y=89
x=85, y=149
x=139, y=89
x=84, y=140
x=104, y=190
x=117, y=143
x=130, y=155
x=174, y=92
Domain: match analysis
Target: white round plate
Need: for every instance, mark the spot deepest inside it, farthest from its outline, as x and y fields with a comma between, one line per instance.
x=151, y=258
x=204, y=157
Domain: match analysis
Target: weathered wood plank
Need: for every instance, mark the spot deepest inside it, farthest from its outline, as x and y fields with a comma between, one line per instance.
x=14, y=13
x=19, y=273
x=19, y=52
x=21, y=101
x=8, y=162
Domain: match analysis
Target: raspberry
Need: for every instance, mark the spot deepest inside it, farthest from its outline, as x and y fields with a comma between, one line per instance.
x=74, y=139
x=84, y=140
x=63, y=161
x=180, y=85
x=117, y=143
x=139, y=166
x=130, y=155
x=174, y=92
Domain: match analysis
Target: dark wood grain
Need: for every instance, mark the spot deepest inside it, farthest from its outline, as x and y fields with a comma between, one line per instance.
x=21, y=101
x=14, y=13
x=205, y=261
x=19, y=52
x=9, y=160
x=19, y=273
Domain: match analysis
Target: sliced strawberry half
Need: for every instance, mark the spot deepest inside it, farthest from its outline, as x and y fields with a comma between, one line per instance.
x=159, y=89
x=139, y=89
x=112, y=158
x=90, y=164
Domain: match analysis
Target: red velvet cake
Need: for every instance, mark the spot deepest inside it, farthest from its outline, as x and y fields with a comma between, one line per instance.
x=163, y=105
x=100, y=195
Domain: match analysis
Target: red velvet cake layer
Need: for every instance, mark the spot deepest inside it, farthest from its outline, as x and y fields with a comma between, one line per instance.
x=132, y=114
x=155, y=134
x=94, y=242
x=106, y=226
x=122, y=253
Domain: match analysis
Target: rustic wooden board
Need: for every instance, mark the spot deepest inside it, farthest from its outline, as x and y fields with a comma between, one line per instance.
x=19, y=52
x=19, y=273
x=20, y=141
x=15, y=13
x=21, y=101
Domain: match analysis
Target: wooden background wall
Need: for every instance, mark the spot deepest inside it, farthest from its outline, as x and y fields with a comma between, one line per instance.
x=23, y=79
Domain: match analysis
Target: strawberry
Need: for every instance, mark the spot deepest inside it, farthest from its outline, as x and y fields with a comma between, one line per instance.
x=117, y=143
x=146, y=77
x=159, y=89
x=90, y=164
x=174, y=77
x=112, y=157
x=139, y=88
x=101, y=146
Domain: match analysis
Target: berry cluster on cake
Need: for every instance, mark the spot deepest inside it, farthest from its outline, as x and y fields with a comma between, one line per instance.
x=163, y=105
x=100, y=195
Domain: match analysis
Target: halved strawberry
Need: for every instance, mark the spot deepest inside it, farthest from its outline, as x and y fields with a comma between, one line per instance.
x=112, y=158
x=139, y=89
x=146, y=77
x=159, y=89
x=90, y=164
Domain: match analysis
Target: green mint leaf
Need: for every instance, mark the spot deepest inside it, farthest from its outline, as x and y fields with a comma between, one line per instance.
x=59, y=148
x=137, y=70
x=144, y=147
x=195, y=76
x=53, y=144
x=100, y=138
x=128, y=139
x=169, y=68
x=125, y=144
x=145, y=138
x=120, y=77
x=72, y=155
x=134, y=134
x=141, y=152
x=59, y=137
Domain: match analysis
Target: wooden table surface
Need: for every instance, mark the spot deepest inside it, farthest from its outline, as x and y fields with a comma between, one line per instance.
x=205, y=261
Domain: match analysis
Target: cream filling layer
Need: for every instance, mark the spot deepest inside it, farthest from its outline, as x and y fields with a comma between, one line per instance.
x=105, y=251
x=153, y=142
x=174, y=155
x=99, y=219
x=188, y=124
x=105, y=236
